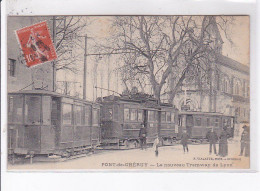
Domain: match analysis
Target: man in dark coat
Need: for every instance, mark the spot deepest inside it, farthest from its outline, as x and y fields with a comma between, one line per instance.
x=142, y=136
x=223, y=143
x=184, y=140
x=245, y=144
x=212, y=138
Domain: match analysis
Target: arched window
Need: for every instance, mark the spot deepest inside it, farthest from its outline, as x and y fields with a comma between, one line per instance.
x=237, y=88
x=225, y=85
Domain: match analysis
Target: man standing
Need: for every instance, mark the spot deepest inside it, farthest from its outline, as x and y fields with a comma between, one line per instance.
x=223, y=143
x=142, y=136
x=184, y=140
x=156, y=145
x=245, y=144
x=212, y=138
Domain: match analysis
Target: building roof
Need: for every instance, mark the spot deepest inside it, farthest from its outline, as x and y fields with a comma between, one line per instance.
x=230, y=63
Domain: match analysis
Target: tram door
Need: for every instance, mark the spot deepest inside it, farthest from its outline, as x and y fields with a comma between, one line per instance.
x=56, y=119
x=189, y=124
x=145, y=118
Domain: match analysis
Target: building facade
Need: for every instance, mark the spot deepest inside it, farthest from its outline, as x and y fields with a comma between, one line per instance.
x=19, y=76
x=227, y=89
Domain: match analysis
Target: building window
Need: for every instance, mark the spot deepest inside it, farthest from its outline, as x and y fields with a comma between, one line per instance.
x=225, y=86
x=237, y=111
x=11, y=67
x=237, y=89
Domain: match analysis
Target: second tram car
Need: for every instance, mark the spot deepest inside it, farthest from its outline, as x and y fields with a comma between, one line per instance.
x=45, y=123
x=122, y=117
x=197, y=124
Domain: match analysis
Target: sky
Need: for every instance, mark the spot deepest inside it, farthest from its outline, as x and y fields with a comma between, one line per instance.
x=240, y=36
x=100, y=28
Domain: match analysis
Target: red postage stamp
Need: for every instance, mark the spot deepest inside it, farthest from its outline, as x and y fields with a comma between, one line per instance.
x=36, y=44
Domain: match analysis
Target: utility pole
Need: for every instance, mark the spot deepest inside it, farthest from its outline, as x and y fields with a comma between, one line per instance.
x=54, y=61
x=108, y=76
x=85, y=70
x=101, y=76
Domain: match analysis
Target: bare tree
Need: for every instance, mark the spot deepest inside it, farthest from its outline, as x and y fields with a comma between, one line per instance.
x=68, y=30
x=158, y=47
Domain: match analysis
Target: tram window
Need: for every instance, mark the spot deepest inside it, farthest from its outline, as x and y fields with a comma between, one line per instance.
x=152, y=116
x=173, y=116
x=163, y=116
x=232, y=122
x=46, y=110
x=67, y=113
x=216, y=122
x=32, y=109
x=88, y=115
x=226, y=122
x=168, y=116
x=155, y=115
x=110, y=113
x=208, y=122
x=15, y=113
x=133, y=114
x=116, y=112
x=95, y=116
x=140, y=115
x=126, y=114
x=198, y=121
x=180, y=121
x=79, y=114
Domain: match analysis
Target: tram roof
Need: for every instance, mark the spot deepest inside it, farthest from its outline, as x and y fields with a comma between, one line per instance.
x=49, y=93
x=203, y=113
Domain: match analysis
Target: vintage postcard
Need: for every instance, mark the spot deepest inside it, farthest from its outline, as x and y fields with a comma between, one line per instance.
x=128, y=92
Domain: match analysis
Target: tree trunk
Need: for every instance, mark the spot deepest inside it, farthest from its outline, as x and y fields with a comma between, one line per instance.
x=175, y=89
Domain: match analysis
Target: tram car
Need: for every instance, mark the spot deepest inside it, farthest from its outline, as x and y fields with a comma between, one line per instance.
x=47, y=123
x=197, y=124
x=122, y=117
x=168, y=130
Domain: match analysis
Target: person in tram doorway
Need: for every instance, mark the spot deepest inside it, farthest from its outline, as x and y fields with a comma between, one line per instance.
x=245, y=142
x=212, y=138
x=156, y=145
x=223, y=143
x=184, y=140
x=142, y=136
